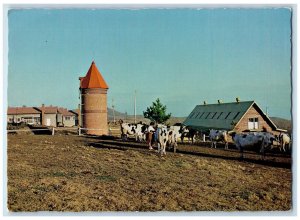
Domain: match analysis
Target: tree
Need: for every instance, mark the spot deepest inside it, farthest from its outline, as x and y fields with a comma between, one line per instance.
x=157, y=112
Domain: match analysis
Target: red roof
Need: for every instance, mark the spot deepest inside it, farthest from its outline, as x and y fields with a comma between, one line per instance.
x=93, y=79
x=65, y=112
x=22, y=110
x=49, y=109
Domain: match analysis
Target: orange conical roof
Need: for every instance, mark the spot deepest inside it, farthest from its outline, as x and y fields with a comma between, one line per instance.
x=93, y=79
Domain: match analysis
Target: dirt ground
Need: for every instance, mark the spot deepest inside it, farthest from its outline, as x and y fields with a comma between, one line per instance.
x=66, y=172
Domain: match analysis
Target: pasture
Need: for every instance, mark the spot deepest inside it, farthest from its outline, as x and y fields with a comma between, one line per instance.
x=66, y=172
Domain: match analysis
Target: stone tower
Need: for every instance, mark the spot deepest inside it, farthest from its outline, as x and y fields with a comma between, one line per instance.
x=93, y=94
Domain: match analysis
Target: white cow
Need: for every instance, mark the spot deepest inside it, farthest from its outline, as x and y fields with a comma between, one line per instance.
x=262, y=139
x=284, y=140
x=218, y=135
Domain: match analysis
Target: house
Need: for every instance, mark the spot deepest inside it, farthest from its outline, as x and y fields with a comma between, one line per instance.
x=238, y=116
x=28, y=115
x=44, y=115
x=66, y=118
x=48, y=115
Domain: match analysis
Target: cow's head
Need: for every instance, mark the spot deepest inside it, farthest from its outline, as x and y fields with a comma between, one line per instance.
x=232, y=133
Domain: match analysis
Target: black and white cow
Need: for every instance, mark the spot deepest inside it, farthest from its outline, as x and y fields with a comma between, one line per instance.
x=218, y=135
x=189, y=133
x=137, y=130
x=250, y=140
x=172, y=140
x=162, y=139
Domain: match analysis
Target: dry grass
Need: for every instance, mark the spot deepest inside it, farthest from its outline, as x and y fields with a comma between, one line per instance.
x=64, y=173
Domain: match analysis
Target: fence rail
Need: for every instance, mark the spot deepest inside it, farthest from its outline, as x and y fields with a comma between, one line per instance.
x=52, y=129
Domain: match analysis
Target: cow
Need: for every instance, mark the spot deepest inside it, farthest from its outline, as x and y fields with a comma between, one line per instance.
x=218, y=135
x=248, y=140
x=284, y=140
x=162, y=138
x=132, y=129
x=172, y=140
x=190, y=133
x=179, y=131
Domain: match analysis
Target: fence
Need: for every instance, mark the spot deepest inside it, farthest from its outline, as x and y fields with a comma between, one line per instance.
x=111, y=131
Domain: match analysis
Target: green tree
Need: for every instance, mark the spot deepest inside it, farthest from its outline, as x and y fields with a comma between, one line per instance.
x=157, y=112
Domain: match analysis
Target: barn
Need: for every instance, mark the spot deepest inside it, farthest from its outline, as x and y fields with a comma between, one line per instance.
x=240, y=116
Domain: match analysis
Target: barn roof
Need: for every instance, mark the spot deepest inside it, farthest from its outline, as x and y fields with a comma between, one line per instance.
x=221, y=115
x=93, y=79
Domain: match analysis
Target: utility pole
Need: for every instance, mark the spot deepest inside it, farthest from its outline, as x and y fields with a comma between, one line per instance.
x=113, y=108
x=134, y=106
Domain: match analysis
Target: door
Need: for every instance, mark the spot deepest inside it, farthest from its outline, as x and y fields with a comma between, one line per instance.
x=48, y=122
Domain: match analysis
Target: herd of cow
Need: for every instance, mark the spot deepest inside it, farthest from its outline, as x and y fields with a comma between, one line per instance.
x=167, y=136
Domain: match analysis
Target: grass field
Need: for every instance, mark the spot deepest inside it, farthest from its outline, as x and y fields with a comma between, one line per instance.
x=77, y=173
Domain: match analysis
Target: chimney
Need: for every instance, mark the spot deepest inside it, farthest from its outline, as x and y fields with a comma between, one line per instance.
x=237, y=99
x=43, y=114
x=219, y=101
x=204, y=103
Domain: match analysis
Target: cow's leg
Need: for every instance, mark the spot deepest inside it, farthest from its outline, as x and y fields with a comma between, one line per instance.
x=226, y=145
x=262, y=151
x=283, y=147
x=158, y=147
x=241, y=152
x=175, y=146
x=164, y=149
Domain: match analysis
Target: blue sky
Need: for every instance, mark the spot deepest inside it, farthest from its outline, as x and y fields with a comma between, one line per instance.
x=182, y=56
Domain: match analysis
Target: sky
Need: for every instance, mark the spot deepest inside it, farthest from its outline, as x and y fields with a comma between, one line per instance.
x=182, y=56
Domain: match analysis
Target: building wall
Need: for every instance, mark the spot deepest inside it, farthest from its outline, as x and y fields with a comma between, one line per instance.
x=94, y=111
x=21, y=117
x=69, y=121
x=253, y=113
x=52, y=118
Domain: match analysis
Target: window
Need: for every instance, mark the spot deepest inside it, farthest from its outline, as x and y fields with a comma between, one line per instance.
x=197, y=114
x=236, y=115
x=214, y=115
x=227, y=115
x=192, y=114
x=220, y=115
x=202, y=114
x=67, y=118
x=207, y=115
x=252, y=123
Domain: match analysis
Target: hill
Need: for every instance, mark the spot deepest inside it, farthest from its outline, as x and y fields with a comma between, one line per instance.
x=282, y=123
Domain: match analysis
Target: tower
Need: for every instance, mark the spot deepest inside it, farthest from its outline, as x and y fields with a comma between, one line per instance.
x=93, y=94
